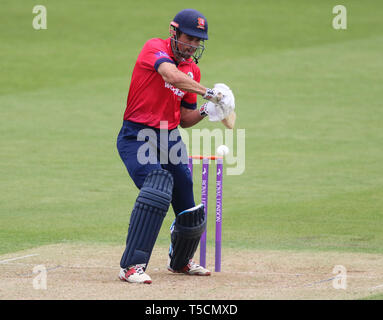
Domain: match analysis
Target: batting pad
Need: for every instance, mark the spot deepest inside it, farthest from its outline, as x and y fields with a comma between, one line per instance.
x=186, y=232
x=147, y=216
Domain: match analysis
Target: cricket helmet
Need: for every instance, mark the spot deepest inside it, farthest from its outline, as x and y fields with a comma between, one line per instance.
x=192, y=23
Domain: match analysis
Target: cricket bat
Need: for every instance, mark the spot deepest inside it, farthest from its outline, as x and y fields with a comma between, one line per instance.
x=229, y=121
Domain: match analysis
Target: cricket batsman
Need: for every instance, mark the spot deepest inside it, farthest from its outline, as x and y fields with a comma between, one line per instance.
x=163, y=95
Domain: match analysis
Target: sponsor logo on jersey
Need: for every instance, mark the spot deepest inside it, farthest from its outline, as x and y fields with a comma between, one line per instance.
x=176, y=91
x=160, y=54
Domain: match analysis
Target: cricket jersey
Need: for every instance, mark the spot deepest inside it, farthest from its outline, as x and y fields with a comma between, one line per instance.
x=151, y=99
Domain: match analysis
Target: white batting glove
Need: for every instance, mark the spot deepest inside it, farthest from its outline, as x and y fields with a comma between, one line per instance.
x=221, y=102
x=227, y=102
x=212, y=95
x=213, y=111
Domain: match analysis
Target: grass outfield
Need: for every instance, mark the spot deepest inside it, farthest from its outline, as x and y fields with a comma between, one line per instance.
x=374, y=297
x=308, y=96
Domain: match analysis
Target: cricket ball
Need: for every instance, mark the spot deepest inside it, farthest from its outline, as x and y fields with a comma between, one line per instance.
x=222, y=150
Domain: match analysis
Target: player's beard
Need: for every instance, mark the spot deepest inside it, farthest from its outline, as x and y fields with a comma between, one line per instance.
x=195, y=52
x=186, y=53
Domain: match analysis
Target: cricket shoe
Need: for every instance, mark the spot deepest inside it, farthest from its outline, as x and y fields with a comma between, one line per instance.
x=191, y=269
x=135, y=274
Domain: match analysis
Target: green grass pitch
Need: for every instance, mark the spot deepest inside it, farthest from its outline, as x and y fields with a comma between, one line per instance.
x=309, y=97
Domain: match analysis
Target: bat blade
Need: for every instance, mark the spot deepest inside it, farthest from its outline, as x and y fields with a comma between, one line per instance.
x=229, y=121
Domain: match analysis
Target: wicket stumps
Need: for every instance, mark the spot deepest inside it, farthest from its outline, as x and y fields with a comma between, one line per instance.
x=218, y=206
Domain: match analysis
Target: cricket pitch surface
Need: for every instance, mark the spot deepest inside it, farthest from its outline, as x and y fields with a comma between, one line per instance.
x=83, y=271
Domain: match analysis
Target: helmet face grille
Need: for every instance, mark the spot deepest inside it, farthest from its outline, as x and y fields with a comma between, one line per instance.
x=174, y=43
x=198, y=53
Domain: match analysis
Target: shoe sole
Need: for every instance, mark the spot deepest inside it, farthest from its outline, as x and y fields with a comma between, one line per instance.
x=191, y=274
x=126, y=280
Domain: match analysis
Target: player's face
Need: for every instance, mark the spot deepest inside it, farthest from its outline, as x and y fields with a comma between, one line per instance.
x=188, y=45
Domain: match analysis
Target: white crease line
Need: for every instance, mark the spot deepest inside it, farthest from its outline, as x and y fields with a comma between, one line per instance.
x=68, y=266
x=269, y=273
x=47, y=269
x=306, y=274
x=18, y=258
x=376, y=287
x=378, y=276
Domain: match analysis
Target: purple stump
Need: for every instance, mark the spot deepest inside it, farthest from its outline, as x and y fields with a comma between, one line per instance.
x=218, y=216
x=204, y=196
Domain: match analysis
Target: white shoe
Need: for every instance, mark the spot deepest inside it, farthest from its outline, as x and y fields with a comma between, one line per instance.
x=135, y=274
x=192, y=269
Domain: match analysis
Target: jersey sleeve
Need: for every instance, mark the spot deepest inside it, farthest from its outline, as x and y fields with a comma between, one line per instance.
x=153, y=54
x=189, y=100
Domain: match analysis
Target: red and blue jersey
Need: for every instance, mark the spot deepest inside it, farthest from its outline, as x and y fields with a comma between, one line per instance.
x=151, y=99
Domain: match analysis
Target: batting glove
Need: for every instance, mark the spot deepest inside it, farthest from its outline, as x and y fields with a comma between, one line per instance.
x=213, y=111
x=212, y=95
x=203, y=110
